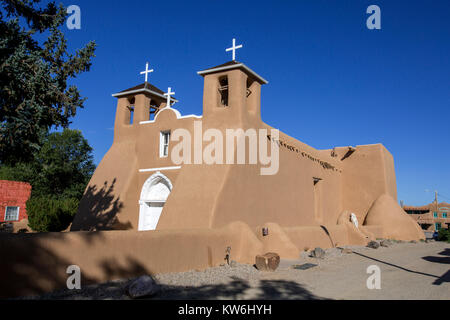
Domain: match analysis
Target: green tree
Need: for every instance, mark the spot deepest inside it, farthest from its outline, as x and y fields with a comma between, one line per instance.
x=58, y=174
x=62, y=167
x=65, y=165
x=35, y=95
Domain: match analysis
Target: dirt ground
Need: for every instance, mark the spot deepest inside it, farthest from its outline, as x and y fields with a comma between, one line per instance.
x=407, y=270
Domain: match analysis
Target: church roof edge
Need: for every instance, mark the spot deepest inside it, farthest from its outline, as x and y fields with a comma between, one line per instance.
x=143, y=87
x=233, y=65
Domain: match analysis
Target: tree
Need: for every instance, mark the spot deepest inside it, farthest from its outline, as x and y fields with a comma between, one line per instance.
x=35, y=96
x=62, y=167
x=65, y=165
x=58, y=174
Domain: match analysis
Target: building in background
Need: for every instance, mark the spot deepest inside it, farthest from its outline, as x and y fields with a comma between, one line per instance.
x=431, y=217
x=13, y=198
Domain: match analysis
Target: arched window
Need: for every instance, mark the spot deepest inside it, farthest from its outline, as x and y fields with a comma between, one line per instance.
x=154, y=194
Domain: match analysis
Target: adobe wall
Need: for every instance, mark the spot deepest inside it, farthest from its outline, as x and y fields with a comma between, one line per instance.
x=215, y=195
x=37, y=263
x=368, y=173
x=287, y=198
x=111, y=199
x=395, y=223
x=193, y=199
x=104, y=204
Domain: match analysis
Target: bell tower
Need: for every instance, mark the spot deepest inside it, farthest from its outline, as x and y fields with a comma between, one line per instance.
x=232, y=93
x=138, y=104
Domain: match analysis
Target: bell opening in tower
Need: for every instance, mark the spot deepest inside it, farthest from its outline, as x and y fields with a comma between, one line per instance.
x=224, y=91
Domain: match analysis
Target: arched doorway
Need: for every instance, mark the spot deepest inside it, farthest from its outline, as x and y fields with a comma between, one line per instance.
x=154, y=194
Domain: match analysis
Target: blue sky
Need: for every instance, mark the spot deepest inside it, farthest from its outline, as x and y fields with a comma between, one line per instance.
x=332, y=82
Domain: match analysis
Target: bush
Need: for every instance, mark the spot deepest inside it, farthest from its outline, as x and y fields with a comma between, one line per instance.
x=444, y=235
x=51, y=214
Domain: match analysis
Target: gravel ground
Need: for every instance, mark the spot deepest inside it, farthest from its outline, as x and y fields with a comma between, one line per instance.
x=408, y=271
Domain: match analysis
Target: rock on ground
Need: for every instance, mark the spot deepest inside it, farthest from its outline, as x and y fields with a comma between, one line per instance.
x=143, y=286
x=373, y=245
x=318, y=253
x=267, y=262
x=385, y=243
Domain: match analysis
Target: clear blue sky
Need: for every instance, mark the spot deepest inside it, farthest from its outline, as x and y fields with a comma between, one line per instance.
x=332, y=82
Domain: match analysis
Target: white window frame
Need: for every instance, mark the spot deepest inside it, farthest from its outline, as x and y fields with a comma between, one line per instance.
x=6, y=213
x=162, y=144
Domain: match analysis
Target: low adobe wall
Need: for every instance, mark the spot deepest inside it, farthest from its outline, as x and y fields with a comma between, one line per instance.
x=37, y=263
x=289, y=242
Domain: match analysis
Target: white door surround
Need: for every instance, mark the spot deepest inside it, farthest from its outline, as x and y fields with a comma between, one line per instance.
x=154, y=194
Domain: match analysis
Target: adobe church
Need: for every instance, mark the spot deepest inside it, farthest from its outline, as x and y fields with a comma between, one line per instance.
x=339, y=196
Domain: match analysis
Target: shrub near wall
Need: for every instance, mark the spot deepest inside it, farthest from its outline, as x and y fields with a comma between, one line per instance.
x=444, y=235
x=51, y=214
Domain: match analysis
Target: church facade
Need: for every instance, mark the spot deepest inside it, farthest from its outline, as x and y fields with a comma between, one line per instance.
x=347, y=192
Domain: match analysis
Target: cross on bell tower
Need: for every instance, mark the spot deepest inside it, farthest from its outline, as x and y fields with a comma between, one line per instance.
x=234, y=48
x=146, y=72
x=169, y=95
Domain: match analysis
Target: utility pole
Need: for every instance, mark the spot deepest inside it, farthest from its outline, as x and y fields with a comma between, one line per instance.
x=436, y=200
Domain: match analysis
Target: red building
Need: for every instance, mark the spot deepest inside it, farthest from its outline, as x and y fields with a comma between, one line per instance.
x=13, y=198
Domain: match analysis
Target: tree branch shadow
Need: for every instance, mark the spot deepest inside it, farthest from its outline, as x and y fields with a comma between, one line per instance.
x=239, y=289
x=36, y=272
x=444, y=260
x=31, y=268
x=236, y=289
x=98, y=210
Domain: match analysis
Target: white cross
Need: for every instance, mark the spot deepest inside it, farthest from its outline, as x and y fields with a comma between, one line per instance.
x=234, y=48
x=168, y=94
x=146, y=72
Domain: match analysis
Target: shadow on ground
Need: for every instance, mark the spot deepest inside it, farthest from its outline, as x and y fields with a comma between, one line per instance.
x=236, y=289
x=444, y=260
x=436, y=259
x=241, y=289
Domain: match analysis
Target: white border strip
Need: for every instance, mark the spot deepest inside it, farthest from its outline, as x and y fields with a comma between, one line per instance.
x=182, y=117
x=160, y=169
x=177, y=113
